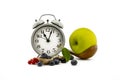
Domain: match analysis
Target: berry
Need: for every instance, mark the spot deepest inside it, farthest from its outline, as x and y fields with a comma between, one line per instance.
x=74, y=62
x=44, y=55
x=71, y=57
x=52, y=63
x=48, y=57
x=57, y=58
x=56, y=61
x=33, y=62
x=29, y=62
x=36, y=60
x=39, y=63
x=63, y=60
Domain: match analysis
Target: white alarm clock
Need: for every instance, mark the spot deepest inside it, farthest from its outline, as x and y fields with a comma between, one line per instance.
x=47, y=36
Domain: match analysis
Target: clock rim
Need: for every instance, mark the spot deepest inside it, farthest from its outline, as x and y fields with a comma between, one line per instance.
x=44, y=25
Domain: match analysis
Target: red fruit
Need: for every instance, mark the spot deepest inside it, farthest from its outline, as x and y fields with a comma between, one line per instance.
x=29, y=62
x=36, y=60
x=33, y=62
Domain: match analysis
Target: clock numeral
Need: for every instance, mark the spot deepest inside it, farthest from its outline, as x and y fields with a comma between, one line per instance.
x=57, y=35
x=60, y=40
x=38, y=46
x=43, y=50
x=59, y=45
x=36, y=41
x=53, y=30
x=48, y=51
x=42, y=31
x=47, y=29
x=54, y=50
x=39, y=36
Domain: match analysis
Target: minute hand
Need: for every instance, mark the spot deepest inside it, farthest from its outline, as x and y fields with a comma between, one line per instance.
x=49, y=35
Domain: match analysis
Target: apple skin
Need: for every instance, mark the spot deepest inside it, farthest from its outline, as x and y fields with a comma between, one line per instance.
x=87, y=53
x=81, y=39
x=82, y=42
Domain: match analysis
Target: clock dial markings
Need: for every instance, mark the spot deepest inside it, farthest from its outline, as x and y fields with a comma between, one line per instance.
x=42, y=50
x=54, y=50
x=60, y=40
x=47, y=29
x=38, y=36
x=48, y=51
x=42, y=31
x=52, y=42
x=53, y=30
x=38, y=46
x=59, y=45
x=57, y=35
x=36, y=41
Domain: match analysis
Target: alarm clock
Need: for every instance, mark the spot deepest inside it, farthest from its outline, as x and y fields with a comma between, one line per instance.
x=48, y=36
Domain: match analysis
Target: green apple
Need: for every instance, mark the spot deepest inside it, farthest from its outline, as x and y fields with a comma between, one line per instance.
x=81, y=40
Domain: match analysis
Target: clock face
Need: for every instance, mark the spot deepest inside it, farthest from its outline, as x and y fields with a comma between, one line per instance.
x=48, y=39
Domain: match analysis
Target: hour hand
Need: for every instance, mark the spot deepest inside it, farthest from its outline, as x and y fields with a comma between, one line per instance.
x=44, y=35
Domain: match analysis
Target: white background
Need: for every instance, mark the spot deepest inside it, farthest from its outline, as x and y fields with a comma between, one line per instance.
x=17, y=18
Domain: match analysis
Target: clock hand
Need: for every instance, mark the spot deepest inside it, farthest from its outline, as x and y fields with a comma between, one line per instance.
x=45, y=36
x=49, y=35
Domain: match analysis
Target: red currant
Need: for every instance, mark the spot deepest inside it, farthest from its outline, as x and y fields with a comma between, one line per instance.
x=33, y=62
x=29, y=62
x=36, y=60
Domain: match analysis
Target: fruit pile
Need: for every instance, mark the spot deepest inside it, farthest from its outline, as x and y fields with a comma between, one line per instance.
x=44, y=59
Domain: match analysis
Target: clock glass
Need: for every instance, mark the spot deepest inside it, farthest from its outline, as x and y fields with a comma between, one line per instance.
x=48, y=39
